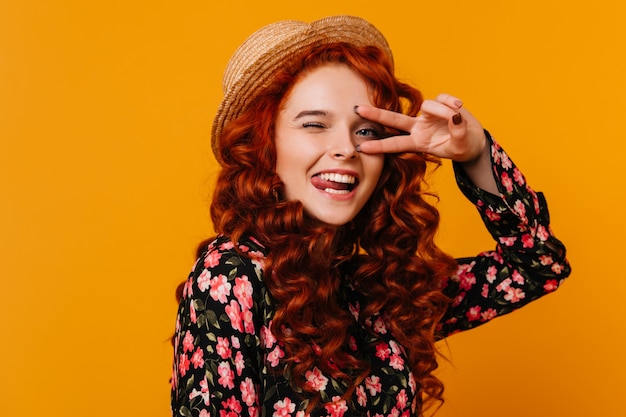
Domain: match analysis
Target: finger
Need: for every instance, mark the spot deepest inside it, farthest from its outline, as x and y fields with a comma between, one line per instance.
x=450, y=101
x=393, y=144
x=438, y=109
x=387, y=118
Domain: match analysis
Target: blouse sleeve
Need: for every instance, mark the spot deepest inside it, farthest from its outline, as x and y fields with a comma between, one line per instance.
x=216, y=354
x=528, y=261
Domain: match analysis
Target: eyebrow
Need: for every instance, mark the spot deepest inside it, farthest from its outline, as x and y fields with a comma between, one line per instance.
x=311, y=113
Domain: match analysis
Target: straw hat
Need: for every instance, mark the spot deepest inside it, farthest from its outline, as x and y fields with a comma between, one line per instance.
x=252, y=65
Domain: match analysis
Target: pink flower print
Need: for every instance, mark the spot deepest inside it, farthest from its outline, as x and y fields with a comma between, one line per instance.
x=473, y=313
x=514, y=294
x=226, y=374
x=485, y=291
x=542, y=233
x=274, y=356
x=256, y=242
x=352, y=344
x=233, y=404
x=204, y=413
x=240, y=363
x=506, y=162
x=234, y=341
x=495, y=154
x=204, y=280
x=337, y=408
x=223, y=347
x=527, y=241
x=243, y=291
x=518, y=177
x=258, y=259
x=188, y=342
x=183, y=364
x=545, y=260
x=458, y=299
x=492, y=215
x=248, y=321
x=506, y=182
x=401, y=399
x=315, y=379
x=550, y=285
x=504, y=285
x=517, y=277
x=379, y=326
x=383, y=351
x=491, y=274
x=267, y=337
x=354, y=310
x=488, y=314
x=557, y=268
x=284, y=408
x=520, y=208
x=316, y=348
x=174, y=379
x=396, y=362
x=248, y=392
x=468, y=279
x=234, y=314
x=212, y=259
x=192, y=313
x=361, y=397
x=373, y=385
x=220, y=288
x=395, y=348
x=204, y=392
x=507, y=241
x=197, y=359
x=412, y=383
x=464, y=269
x=227, y=246
x=497, y=257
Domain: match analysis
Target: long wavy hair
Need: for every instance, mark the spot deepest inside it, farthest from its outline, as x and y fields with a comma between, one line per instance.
x=389, y=247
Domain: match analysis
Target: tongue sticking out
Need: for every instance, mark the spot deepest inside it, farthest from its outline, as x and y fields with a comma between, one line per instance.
x=323, y=184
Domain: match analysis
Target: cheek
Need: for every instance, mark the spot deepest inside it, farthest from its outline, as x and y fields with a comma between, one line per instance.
x=376, y=168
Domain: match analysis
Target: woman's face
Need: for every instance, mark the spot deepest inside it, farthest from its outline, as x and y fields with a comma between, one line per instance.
x=317, y=132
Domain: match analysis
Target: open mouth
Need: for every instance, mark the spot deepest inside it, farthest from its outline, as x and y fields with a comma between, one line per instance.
x=335, y=183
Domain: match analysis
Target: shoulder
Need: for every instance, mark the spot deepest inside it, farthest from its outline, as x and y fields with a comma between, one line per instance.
x=222, y=254
x=227, y=269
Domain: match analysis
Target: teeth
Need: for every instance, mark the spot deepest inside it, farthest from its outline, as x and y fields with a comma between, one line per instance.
x=333, y=191
x=344, y=179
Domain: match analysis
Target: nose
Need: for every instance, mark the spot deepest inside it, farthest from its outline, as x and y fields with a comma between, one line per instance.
x=343, y=148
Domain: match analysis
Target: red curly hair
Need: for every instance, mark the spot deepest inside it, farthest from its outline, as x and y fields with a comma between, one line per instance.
x=391, y=241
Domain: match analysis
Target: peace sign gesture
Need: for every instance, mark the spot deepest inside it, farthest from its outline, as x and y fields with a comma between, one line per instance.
x=443, y=129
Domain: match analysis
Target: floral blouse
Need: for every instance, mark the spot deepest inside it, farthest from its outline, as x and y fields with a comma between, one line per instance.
x=226, y=356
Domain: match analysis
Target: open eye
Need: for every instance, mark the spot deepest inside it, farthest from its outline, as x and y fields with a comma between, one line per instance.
x=370, y=133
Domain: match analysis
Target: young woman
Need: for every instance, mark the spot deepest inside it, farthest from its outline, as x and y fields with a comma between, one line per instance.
x=324, y=292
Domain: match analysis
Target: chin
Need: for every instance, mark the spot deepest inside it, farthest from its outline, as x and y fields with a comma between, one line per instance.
x=333, y=219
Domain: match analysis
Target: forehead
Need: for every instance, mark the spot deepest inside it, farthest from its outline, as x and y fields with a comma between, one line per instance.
x=328, y=85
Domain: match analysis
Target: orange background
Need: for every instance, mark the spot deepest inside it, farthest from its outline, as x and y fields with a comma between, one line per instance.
x=105, y=171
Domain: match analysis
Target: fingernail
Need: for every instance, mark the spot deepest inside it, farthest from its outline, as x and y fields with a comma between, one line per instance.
x=356, y=109
x=458, y=103
x=358, y=147
x=457, y=119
